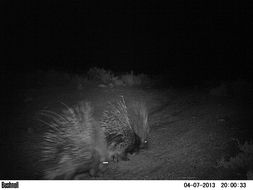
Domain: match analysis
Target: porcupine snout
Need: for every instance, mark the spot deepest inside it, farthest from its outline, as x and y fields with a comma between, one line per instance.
x=144, y=145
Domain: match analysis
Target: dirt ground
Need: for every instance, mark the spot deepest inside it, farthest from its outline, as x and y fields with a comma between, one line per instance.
x=191, y=131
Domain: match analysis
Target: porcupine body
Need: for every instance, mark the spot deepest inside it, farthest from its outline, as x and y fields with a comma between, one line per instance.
x=126, y=127
x=75, y=144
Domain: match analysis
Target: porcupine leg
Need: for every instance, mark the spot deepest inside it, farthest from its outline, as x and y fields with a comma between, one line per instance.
x=97, y=166
x=93, y=172
x=96, y=171
x=69, y=176
x=82, y=174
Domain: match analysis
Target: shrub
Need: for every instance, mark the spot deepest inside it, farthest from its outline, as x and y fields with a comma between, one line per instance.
x=221, y=90
x=241, y=87
x=100, y=75
x=243, y=160
x=107, y=77
x=134, y=80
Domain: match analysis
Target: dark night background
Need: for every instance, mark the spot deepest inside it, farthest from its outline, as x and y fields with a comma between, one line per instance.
x=189, y=39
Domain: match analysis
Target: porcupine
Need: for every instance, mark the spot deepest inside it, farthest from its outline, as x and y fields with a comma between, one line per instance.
x=126, y=127
x=75, y=144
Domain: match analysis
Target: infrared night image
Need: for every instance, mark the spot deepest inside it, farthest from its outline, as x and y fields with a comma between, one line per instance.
x=126, y=90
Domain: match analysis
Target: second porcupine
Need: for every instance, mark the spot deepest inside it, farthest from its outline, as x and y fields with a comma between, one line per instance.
x=75, y=144
x=126, y=127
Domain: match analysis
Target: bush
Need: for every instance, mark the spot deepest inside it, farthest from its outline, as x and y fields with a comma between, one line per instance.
x=221, y=90
x=241, y=87
x=100, y=75
x=237, y=87
x=107, y=77
x=135, y=80
x=243, y=160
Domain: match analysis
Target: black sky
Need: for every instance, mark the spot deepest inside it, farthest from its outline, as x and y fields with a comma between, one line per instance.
x=182, y=37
